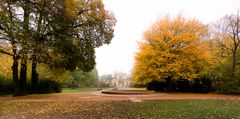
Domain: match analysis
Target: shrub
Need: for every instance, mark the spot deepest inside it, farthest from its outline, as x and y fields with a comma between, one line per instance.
x=156, y=85
x=44, y=86
x=6, y=86
x=183, y=85
x=102, y=84
x=200, y=85
x=169, y=84
x=49, y=86
x=138, y=85
x=227, y=86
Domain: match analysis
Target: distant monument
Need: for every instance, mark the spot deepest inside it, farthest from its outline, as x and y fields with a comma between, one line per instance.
x=121, y=80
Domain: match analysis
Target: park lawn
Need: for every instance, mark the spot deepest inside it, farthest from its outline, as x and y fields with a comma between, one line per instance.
x=189, y=109
x=70, y=90
x=157, y=109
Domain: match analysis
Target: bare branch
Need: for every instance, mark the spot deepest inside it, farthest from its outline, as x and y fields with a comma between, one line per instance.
x=5, y=52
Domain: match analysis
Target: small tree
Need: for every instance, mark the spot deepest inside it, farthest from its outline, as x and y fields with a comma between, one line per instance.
x=225, y=44
x=227, y=35
x=79, y=78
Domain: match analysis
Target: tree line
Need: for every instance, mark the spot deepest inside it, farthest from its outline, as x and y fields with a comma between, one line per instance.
x=58, y=33
x=177, y=52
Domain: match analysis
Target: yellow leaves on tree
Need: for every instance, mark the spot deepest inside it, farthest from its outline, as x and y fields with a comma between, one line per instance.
x=5, y=66
x=88, y=9
x=172, y=48
x=71, y=7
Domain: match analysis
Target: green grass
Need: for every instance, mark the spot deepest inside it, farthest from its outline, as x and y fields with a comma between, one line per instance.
x=70, y=90
x=187, y=109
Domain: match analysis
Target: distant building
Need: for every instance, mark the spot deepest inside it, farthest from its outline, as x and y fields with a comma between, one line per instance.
x=121, y=80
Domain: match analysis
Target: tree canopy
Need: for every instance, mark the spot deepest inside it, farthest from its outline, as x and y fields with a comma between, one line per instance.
x=173, y=48
x=60, y=33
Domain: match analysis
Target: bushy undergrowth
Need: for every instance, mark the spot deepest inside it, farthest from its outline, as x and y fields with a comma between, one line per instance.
x=6, y=86
x=49, y=86
x=203, y=85
x=44, y=86
x=138, y=85
x=227, y=86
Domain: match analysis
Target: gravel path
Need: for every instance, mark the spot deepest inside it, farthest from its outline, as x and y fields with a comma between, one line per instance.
x=98, y=96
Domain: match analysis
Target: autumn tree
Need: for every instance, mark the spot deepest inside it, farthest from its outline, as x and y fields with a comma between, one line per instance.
x=173, y=48
x=6, y=63
x=73, y=30
x=226, y=34
x=60, y=33
x=10, y=33
x=225, y=42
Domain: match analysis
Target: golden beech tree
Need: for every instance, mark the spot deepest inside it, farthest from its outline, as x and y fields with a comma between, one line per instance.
x=173, y=48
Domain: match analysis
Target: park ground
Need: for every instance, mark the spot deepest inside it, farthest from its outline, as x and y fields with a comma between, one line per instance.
x=91, y=104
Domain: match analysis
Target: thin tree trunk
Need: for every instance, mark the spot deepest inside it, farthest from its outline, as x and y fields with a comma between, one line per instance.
x=34, y=77
x=17, y=90
x=234, y=60
x=23, y=74
x=233, y=66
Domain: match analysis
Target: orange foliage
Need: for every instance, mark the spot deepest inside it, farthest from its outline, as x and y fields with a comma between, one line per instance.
x=172, y=48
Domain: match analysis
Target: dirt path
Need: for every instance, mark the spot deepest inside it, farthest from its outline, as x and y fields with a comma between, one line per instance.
x=98, y=96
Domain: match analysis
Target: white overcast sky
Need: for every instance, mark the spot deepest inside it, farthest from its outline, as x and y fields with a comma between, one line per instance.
x=135, y=16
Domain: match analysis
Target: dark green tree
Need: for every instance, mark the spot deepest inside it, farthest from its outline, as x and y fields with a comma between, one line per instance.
x=60, y=33
x=73, y=29
x=79, y=78
x=10, y=33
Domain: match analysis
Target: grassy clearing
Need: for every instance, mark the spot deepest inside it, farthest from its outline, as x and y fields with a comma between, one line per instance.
x=161, y=109
x=70, y=90
x=189, y=109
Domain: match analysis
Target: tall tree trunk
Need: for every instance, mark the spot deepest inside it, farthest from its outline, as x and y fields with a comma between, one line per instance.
x=234, y=60
x=34, y=77
x=17, y=90
x=23, y=72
